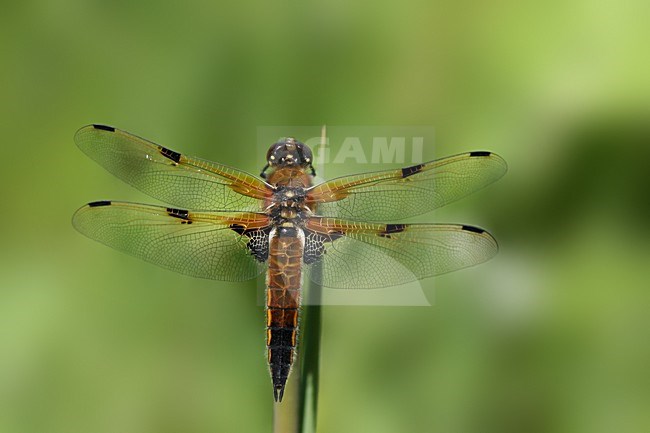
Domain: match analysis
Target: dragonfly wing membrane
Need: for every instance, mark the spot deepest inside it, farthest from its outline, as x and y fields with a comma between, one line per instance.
x=227, y=246
x=352, y=255
x=396, y=194
x=169, y=176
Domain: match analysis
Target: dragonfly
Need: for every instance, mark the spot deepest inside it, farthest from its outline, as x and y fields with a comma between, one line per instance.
x=225, y=224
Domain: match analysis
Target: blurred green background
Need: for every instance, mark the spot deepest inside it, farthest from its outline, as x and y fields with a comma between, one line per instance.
x=551, y=336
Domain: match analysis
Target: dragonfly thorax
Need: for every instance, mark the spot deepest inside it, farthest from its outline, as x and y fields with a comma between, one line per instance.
x=288, y=195
x=289, y=205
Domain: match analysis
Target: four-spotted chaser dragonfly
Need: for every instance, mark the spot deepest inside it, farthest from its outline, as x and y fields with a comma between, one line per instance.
x=229, y=225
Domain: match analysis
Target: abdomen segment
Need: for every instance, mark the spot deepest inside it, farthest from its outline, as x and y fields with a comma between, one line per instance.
x=283, y=303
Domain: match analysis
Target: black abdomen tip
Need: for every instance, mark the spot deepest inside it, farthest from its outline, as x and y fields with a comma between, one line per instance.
x=480, y=153
x=278, y=392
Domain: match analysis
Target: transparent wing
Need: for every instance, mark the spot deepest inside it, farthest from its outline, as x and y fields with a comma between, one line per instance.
x=395, y=194
x=350, y=255
x=215, y=245
x=169, y=176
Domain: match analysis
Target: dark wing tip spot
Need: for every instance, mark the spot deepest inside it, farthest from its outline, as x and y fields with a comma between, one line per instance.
x=410, y=171
x=168, y=153
x=473, y=229
x=99, y=203
x=480, y=153
x=104, y=128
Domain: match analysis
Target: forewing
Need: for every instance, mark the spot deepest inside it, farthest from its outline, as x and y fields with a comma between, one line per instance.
x=395, y=194
x=169, y=176
x=350, y=255
x=227, y=246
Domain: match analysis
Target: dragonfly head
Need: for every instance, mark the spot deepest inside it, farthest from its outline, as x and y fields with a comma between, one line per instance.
x=289, y=152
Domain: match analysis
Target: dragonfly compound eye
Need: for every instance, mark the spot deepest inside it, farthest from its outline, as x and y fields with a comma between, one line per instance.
x=289, y=153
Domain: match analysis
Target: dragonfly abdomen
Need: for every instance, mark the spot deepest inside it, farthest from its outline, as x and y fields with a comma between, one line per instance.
x=283, y=302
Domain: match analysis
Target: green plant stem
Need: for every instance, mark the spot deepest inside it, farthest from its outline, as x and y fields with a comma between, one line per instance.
x=310, y=365
x=286, y=414
x=297, y=411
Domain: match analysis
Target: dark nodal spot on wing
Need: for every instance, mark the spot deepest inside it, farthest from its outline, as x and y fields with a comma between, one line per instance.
x=99, y=203
x=178, y=213
x=167, y=153
x=394, y=228
x=473, y=229
x=104, y=128
x=410, y=171
x=480, y=153
x=391, y=229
